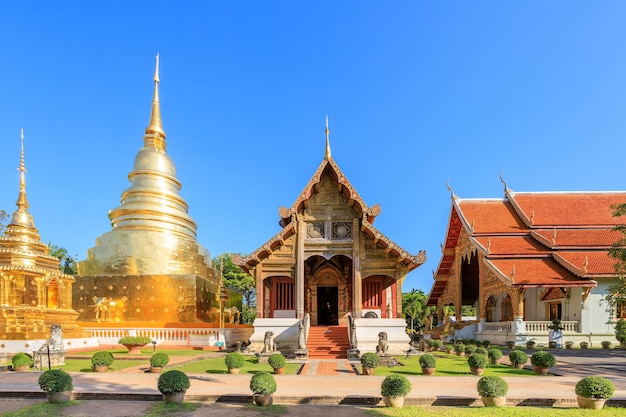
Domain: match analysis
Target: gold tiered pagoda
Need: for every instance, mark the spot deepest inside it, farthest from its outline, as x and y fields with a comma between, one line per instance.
x=34, y=293
x=149, y=267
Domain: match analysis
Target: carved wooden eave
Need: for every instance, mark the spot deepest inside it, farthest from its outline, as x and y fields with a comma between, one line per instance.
x=509, y=281
x=382, y=241
x=267, y=248
x=344, y=186
x=576, y=270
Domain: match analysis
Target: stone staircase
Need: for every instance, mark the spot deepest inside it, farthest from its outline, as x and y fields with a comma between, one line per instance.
x=328, y=342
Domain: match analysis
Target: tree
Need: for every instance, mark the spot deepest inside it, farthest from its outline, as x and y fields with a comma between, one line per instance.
x=4, y=217
x=237, y=280
x=67, y=263
x=414, y=309
x=617, y=292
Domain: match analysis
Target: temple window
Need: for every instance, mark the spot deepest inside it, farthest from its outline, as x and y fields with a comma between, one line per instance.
x=372, y=292
x=283, y=294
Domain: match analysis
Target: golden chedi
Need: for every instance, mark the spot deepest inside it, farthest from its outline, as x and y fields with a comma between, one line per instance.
x=34, y=293
x=149, y=267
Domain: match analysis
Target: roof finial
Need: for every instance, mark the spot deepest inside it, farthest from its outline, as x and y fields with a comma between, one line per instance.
x=506, y=188
x=22, y=202
x=452, y=195
x=327, y=156
x=155, y=135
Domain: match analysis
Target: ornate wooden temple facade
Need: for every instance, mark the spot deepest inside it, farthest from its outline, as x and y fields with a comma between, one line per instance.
x=526, y=259
x=328, y=259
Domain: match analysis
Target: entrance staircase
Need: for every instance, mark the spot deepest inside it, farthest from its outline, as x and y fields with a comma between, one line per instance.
x=328, y=342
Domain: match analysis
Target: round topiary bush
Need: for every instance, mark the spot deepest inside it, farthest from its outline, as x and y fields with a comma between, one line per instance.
x=510, y=344
x=428, y=361
x=494, y=354
x=595, y=387
x=449, y=348
x=477, y=361
x=459, y=347
x=234, y=360
x=486, y=343
x=370, y=360
x=517, y=358
x=436, y=344
x=55, y=380
x=481, y=351
x=584, y=345
x=492, y=386
x=159, y=360
x=470, y=349
x=173, y=382
x=395, y=385
x=543, y=359
x=134, y=341
x=276, y=360
x=21, y=359
x=530, y=344
x=102, y=358
x=262, y=383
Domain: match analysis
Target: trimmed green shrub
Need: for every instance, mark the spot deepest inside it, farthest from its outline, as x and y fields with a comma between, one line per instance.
x=481, y=351
x=530, y=344
x=134, y=340
x=449, y=348
x=569, y=344
x=21, y=359
x=234, y=360
x=395, y=385
x=543, y=359
x=492, y=386
x=595, y=387
x=477, y=361
x=173, y=382
x=584, y=345
x=470, y=349
x=262, y=383
x=276, y=360
x=459, y=347
x=517, y=357
x=55, y=380
x=494, y=354
x=428, y=361
x=459, y=341
x=102, y=358
x=486, y=343
x=556, y=325
x=510, y=344
x=620, y=331
x=606, y=344
x=159, y=360
x=436, y=344
x=370, y=360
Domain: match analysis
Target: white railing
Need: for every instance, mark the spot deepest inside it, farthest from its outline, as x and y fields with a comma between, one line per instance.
x=543, y=326
x=502, y=326
x=173, y=336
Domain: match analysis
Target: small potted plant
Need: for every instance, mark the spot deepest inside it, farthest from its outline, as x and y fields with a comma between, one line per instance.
x=428, y=364
x=234, y=362
x=494, y=355
x=158, y=362
x=263, y=386
x=459, y=348
x=134, y=343
x=482, y=351
x=449, y=349
x=492, y=391
x=477, y=363
x=486, y=344
x=470, y=350
x=606, y=344
x=101, y=361
x=369, y=362
x=57, y=384
x=277, y=362
x=569, y=344
x=173, y=385
x=21, y=362
x=555, y=335
x=436, y=344
x=510, y=344
x=584, y=345
x=393, y=389
x=620, y=332
x=530, y=344
x=518, y=359
x=542, y=361
x=593, y=391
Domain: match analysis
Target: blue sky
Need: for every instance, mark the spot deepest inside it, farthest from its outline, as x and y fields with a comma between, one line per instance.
x=416, y=93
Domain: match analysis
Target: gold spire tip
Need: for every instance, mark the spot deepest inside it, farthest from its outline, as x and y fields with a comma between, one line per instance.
x=22, y=167
x=156, y=70
x=327, y=156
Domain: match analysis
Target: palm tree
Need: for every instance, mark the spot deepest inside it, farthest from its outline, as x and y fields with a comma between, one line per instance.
x=414, y=307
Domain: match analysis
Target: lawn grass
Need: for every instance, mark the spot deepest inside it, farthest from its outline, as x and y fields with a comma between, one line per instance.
x=39, y=410
x=447, y=365
x=418, y=411
x=217, y=366
x=84, y=365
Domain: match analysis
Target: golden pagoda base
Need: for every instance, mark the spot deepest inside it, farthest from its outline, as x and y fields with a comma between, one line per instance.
x=31, y=323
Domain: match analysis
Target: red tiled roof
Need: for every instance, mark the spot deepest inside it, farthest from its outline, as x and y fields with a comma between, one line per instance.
x=568, y=209
x=512, y=245
x=490, y=216
x=537, y=272
x=573, y=238
x=594, y=262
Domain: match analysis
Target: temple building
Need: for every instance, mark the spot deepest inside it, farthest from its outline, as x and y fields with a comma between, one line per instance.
x=328, y=261
x=526, y=259
x=149, y=268
x=34, y=293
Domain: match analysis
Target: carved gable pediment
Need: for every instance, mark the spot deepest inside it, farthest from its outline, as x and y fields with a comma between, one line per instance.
x=553, y=293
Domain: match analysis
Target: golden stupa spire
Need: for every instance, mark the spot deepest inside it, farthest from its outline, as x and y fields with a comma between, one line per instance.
x=155, y=135
x=22, y=221
x=327, y=156
x=22, y=202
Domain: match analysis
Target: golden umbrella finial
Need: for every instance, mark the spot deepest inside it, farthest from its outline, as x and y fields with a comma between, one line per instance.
x=155, y=135
x=22, y=202
x=327, y=156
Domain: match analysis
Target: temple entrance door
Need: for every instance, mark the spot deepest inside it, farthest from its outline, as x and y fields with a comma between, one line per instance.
x=327, y=304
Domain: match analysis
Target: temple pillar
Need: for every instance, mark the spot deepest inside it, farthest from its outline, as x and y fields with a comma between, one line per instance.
x=258, y=275
x=301, y=234
x=357, y=298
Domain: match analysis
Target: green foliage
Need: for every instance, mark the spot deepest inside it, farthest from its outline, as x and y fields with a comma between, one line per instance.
x=595, y=387
x=395, y=385
x=482, y=351
x=486, y=343
x=67, y=263
x=605, y=344
x=620, y=331
x=459, y=347
x=510, y=344
x=543, y=359
x=21, y=359
x=173, y=382
x=618, y=252
x=414, y=309
x=276, y=360
x=55, y=380
x=159, y=360
x=263, y=383
x=492, y=386
x=584, y=345
x=4, y=216
x=234, y=360
x=569, y=343
x=428, y=361
x=530, y=344
x=239, y=281
x=134, y=340
x=556, y=325
x=435, y=344
x=494, y=354
x=102, y=358
x=477, y=360
x=518, y=357
x=370, y=360
x=449, y=348
x=470, y=349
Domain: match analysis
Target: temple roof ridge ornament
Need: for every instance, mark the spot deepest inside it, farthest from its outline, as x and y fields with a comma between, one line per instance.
x=327, y=155
x=507, y=190
x=452, y=195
